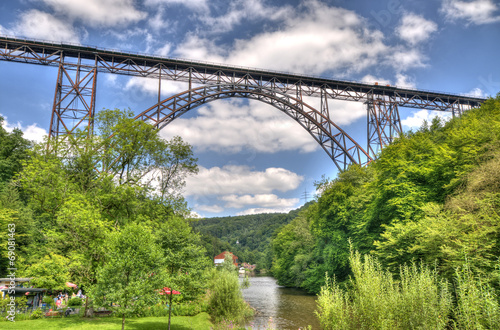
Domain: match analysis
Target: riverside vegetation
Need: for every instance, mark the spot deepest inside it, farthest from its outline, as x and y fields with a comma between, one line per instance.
x=412, y=240
x=105, y=211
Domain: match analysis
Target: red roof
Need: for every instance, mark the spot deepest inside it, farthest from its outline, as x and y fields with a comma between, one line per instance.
x=223, y=255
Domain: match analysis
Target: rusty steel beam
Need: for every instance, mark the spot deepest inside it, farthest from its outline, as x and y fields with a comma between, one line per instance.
x=339, y=146
x=74, y=100
x=196, y=72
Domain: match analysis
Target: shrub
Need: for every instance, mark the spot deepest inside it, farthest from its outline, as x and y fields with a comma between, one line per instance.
x=37, y=314
x=75, y=302
x=418, y=301
x=225, y=298
x=477, y=304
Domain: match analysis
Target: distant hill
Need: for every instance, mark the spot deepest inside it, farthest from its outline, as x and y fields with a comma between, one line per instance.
x=247, y=236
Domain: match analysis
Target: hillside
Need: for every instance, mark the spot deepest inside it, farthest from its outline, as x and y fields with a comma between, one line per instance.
x=252, y=232
x=432, y=196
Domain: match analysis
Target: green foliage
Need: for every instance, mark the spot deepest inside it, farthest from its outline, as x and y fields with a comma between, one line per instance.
x=50, y=272
x=13, y=152
x=432, y=196
x=75, y=302
x=225, y=298
x=253, y=233
x=477, y=304
x=376, y=301
x=37, y=314
x=128, y=280
x=184, y=257
x=291, y=250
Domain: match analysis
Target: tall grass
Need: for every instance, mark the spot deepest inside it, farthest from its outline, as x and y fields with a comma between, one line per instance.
x=225, y=302
x=477, y=303
x=419, y=300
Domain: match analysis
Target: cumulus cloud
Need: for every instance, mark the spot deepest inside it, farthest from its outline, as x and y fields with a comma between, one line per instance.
x=405, y=81
x=198, y=5
x=232, y=126
x=209, y=208
x=314, y=39
x=241, y=10
x=31, y=132
x=477, y=92
x=41, y=25
x=404, y=59
x=150, y=86
x=238, y=179
x=265, y=210
x=474, y=12
x=416, y=120
x=262, y=200
x=99, y=12
x=415, y=29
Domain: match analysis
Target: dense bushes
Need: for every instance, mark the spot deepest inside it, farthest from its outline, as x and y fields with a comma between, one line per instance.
x=225, y=298
x=433, y=196
x=416, y=299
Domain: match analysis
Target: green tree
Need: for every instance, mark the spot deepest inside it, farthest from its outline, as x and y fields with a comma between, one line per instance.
x=132, y=272
x=13, y=152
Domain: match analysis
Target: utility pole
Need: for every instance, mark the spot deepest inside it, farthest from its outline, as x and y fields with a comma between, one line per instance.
x=305, y=196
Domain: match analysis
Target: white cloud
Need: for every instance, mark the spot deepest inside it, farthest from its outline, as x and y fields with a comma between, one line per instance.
x=401, y=81
x=150, y=86
x=404, y=59
x=233, y=126
x=31, y=132
x=477, y=92
x=416, y=120
x=475, y=12
x=314, y=39
x=261, y=200
x=40, y=25
x=370, y=79
x=238, y=179
x=99, y=12
x=265, y=210
x=191, y=4
x=209, y=208
x=415, y=29
x=241, y=10
x=405, y=81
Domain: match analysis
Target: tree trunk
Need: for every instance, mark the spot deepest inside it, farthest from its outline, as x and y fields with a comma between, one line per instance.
x=170, y=309
x=123, y=322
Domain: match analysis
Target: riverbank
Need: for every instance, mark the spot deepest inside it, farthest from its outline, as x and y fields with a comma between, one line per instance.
x=200, y=321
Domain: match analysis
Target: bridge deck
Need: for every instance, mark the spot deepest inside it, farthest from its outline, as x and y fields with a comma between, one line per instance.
x=111, y=61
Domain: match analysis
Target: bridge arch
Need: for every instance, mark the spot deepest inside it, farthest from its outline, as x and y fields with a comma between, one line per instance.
x=339, y=146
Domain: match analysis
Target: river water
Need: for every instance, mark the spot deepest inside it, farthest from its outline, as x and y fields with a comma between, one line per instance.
x=289, y=308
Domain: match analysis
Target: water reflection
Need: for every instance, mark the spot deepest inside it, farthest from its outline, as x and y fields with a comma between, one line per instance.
x=289, y=308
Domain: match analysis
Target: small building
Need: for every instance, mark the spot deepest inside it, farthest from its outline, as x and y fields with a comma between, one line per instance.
x=251, y=268
x=219, y=259
x=19, y=288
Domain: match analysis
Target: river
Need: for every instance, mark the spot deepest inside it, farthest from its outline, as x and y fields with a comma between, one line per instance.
x=289, y=308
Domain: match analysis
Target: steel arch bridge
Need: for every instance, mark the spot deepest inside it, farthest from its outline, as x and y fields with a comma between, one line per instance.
x=339, y=146
x=76, y=88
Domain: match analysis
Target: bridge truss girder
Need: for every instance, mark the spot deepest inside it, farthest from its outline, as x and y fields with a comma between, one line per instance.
x=74, y=101
x=384, y=123
x=339, y=146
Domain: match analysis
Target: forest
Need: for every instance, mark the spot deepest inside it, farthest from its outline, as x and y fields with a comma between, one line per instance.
x=247, y=236
x=426, y=211
x=410, y=241
x=105, y=212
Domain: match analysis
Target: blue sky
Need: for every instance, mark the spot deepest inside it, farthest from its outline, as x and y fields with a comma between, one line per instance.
x=252, y=157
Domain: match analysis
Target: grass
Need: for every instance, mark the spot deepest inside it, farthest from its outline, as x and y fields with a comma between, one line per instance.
x=200, y=321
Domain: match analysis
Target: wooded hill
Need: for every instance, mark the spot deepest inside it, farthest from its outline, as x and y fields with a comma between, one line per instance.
x=252, y=232
x=433, y=196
